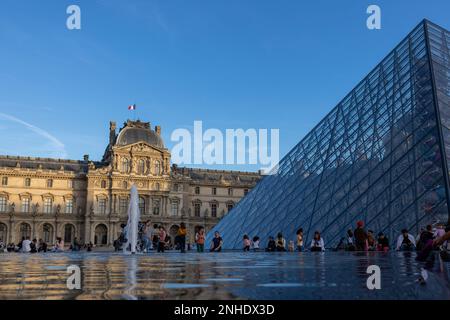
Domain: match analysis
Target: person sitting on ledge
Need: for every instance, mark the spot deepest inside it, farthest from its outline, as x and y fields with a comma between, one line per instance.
x=216, y=243
x=350, y=244
x=405, y=241
x=371, y=242
x=425, y=236
x=383, y=243
x=271, y=245
x=42, y=246
x=246, y=242
x=281, y=242
x=317, y=243
x=360, y=237
x=255, y=243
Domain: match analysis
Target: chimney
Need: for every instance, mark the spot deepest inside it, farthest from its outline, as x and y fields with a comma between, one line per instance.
x=86, y=157
x=112, y=132
x=158, y=130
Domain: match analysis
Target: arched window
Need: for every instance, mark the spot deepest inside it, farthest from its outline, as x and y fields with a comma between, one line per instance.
x=230, y=206
x=157, y=168
x=24, y=230
x=69, y=233
x=101, y=235
x=125, y=165
x=141, y=166
x=3, y=232
x=47, y=233
x=142, y=205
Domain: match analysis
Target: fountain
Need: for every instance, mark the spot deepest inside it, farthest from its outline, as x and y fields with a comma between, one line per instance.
x=131, y=229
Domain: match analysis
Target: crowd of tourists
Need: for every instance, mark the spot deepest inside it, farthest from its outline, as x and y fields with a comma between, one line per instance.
x=156, y=238
x=358, y=239
x=35, y=246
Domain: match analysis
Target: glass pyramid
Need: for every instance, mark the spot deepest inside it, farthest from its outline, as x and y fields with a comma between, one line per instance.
x=381, y=156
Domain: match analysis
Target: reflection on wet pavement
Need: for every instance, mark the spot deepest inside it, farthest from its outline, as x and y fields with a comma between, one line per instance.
x=227, y=275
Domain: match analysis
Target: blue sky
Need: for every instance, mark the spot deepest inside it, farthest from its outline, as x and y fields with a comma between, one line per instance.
x=232, y=64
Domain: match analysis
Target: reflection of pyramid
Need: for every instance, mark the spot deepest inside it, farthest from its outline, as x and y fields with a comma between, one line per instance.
x=380, y=156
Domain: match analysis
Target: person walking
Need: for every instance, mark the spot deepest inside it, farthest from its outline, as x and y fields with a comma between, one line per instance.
x=181, y=234
x=200, y=240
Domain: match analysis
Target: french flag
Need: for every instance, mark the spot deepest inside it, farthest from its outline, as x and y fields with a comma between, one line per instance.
x=132, y=107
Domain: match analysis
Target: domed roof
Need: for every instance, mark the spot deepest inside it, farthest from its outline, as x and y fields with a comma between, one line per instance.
x=137, y=131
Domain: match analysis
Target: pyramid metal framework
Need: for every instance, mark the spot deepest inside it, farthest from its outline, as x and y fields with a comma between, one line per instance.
x=381, y=156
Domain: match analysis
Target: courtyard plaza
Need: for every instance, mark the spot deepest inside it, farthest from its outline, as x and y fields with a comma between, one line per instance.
x=225, y=275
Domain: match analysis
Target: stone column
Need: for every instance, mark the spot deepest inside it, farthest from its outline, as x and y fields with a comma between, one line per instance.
x=12, y=227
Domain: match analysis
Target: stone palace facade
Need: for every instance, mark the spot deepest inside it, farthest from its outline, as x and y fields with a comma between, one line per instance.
x=48, y=198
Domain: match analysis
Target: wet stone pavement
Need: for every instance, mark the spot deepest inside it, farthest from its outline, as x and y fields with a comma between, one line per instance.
x=226, y=275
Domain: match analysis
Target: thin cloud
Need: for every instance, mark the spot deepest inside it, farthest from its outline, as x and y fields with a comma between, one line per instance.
x=59, y=147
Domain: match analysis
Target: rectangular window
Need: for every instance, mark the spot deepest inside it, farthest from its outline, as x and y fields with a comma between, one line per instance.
x=48, y=205
x=69, y=206
x=50, y=183
x=214, y=191
x=174, y=208
x=102, y=206
x=26, y=205
x=4, y=181
x=213, y=210
x=245, y=192
x=197, y=209
x=197, y=190
x=229, y=207
x=70, y=184
x=3, y=204
x=27, y=182
x=123, y=205
x=230, y=191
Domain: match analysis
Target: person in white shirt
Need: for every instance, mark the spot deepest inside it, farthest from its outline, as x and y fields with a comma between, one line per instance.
x=255, y=243
x=26, y=245
x=405, y=241
x=317, y=243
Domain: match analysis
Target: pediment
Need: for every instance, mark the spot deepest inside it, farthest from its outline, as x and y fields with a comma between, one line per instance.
x=139, y=147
